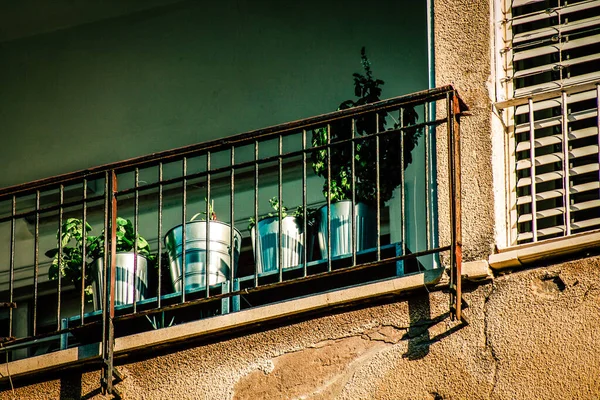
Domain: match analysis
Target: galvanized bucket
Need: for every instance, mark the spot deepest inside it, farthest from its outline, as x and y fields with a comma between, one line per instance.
x=266, y=252
x=341, y=228
x=124, y=284
x=195, y=254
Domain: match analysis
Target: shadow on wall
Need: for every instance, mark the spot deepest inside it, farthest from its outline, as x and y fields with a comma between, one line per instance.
x=418, y=335
x=70, y=386
x=419, y=312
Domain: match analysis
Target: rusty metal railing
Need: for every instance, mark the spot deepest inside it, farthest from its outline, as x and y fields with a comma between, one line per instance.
x=163, y=187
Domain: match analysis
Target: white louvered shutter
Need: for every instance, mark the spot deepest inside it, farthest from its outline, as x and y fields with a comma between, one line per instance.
x=551, y=61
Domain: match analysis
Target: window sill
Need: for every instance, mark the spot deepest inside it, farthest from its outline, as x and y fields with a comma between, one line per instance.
x=519, y=256
x=88, y=354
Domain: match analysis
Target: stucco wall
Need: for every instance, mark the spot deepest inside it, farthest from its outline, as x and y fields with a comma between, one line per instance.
x=463, y=59
x=531, y=335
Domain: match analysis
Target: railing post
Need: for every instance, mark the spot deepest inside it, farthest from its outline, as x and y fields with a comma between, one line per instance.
x=108, y=310
x=455, y=206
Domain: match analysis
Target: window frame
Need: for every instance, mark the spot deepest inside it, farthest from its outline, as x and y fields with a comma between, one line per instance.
x=503, y=130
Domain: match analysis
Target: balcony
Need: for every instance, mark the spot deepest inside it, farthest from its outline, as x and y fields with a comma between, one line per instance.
x=329, y=200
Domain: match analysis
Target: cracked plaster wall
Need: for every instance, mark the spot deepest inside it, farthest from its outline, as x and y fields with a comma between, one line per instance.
x=531, y=335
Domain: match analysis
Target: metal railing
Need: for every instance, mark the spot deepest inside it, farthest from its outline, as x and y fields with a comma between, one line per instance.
x=158, y=191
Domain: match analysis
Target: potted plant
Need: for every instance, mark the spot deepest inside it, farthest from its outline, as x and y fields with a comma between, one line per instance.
x=367, y=89
x=266, y=243
x=128, y=263
x=219, y=246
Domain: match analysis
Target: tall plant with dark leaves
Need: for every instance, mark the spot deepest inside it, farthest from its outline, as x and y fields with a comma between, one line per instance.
x=367, y=89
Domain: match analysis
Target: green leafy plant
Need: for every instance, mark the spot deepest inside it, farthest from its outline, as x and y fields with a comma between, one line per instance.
x=275, y=205
x=71, y=259
x=367, y=89
x=126, y=241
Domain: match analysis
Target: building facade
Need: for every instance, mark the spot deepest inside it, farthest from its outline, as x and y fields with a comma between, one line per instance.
x=529, y=217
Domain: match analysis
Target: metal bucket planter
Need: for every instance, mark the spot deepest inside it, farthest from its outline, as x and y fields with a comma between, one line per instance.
x=219, y=269
x=341, y=228
x=266, y=252
x=124, y=283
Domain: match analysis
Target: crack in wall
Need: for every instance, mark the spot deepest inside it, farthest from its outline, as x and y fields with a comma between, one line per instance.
x=367, y=334
x=488, y=342
x=589, y=290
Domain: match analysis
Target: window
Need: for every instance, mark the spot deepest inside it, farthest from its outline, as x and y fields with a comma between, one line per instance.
x=550, y=87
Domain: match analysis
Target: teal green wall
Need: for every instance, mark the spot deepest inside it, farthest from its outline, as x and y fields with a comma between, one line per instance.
x=192, y=71
x=187, y=72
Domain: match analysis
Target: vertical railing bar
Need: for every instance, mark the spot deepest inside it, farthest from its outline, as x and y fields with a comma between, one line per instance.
x=108, y=307
x=450, y=130
x=427, y=180
x=403, y=185
x=453, y=163
x=257, y=256
x=208, y=224
x=113, y=244
x=432, y=179
x=532, y=173
x=111, y=298
x=232, y=219
x=457, y=208
x=160, y=223
x=36, y=260
x=61, y=190
x=353, y=184
x=136, y=209
x=328, y=198
x=280, y=217
x=104, y=286
x=183, y=227
x=11, y=278
x=83, y=250
x=305, y=236
x=378, y=187
x=566, y=180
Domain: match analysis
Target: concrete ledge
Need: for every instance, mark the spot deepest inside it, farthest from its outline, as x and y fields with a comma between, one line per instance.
x=541, y=251
x=476, y=270
x=50, y=361
x=205, y=327
x=270, y=312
